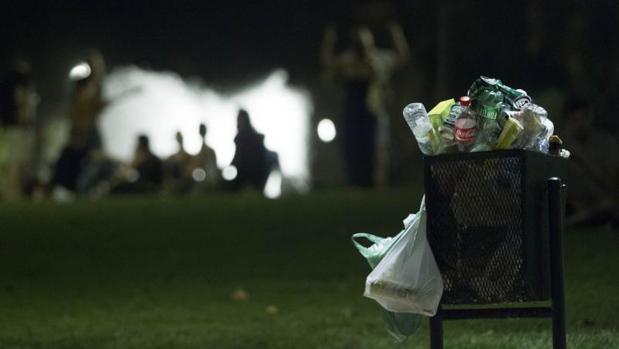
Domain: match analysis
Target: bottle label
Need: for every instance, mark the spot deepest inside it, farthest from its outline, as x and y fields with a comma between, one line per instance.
x=489, y=112
x=453, y=115
x=466, y=130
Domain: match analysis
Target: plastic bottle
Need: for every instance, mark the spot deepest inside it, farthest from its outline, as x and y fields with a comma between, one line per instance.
x=542, y=144
x=488, y=107
x=447, y=131
x=466, y=126
x=417, y=119
x=535, y=129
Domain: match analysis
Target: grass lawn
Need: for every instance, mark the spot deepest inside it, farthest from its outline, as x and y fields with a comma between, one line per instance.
x=158, y=273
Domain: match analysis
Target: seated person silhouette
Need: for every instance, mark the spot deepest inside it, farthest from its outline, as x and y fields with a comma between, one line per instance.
x=145, y=174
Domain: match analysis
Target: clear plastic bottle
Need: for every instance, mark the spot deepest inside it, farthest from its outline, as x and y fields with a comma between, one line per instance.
x=447, y=131
x=466, y=126
x=535, y=129
x=542, y=141
x=417, y=119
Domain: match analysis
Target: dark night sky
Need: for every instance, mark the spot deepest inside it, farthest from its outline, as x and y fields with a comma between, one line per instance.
x=234, y=42
x=216, y=40
x=221, y=43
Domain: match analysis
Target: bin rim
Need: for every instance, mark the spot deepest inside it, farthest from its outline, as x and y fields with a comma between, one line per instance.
x=480, y=154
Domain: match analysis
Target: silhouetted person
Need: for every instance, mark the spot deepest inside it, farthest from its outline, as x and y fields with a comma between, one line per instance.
x=364, y=71
x=205, y=160
x=146, y=175
x=178, y=168
x=594, y=167
x=251, y=157
x=84, y=143
x=17, y=119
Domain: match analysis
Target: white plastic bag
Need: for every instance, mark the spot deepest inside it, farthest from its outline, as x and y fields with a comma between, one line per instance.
x=407, y=279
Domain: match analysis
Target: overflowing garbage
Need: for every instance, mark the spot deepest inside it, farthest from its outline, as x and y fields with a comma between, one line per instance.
x=405, y=279
x=491, y=116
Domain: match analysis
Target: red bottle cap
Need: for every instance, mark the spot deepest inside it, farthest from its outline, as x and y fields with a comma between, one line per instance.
x=465, y=101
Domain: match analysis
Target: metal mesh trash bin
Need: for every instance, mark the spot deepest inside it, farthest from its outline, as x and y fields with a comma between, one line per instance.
x=488, y=225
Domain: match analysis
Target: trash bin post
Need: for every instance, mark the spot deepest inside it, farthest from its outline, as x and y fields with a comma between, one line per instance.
x=436, y=330
x=555, y=225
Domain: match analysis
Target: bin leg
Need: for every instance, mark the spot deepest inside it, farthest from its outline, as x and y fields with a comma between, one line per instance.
x=555, y=206
x=436, y=330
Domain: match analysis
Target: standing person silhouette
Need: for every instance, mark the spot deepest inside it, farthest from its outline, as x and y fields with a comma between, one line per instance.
x=251, y=156
x=18, y=102
x=84, y=144
x=364, y=70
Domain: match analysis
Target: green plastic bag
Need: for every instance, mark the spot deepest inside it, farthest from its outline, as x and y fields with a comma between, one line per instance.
x=380, y=246
x=377, y=250
x=399, y=325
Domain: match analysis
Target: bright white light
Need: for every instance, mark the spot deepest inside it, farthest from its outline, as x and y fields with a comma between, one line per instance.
x=198, y=174
x=229, y=173
x=159, y=104
x=273, y=188
x=326, y=130
x=80, y=71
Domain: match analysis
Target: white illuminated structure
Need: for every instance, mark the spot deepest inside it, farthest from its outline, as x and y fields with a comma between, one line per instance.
x=159, y=104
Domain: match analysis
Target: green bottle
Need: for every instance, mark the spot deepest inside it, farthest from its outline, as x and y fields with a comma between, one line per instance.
x=488, y=107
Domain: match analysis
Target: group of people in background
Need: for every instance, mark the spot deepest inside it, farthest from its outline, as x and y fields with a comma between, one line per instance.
x=361, y=68
x=84, y=169
x=179, y=173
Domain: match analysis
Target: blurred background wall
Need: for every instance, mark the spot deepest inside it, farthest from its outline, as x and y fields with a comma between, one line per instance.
x=551, y=49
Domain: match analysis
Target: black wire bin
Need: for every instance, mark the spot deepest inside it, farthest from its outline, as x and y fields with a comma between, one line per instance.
x=489, y=225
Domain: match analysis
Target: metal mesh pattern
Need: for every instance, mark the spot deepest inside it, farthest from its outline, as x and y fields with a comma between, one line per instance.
x=475, y=226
